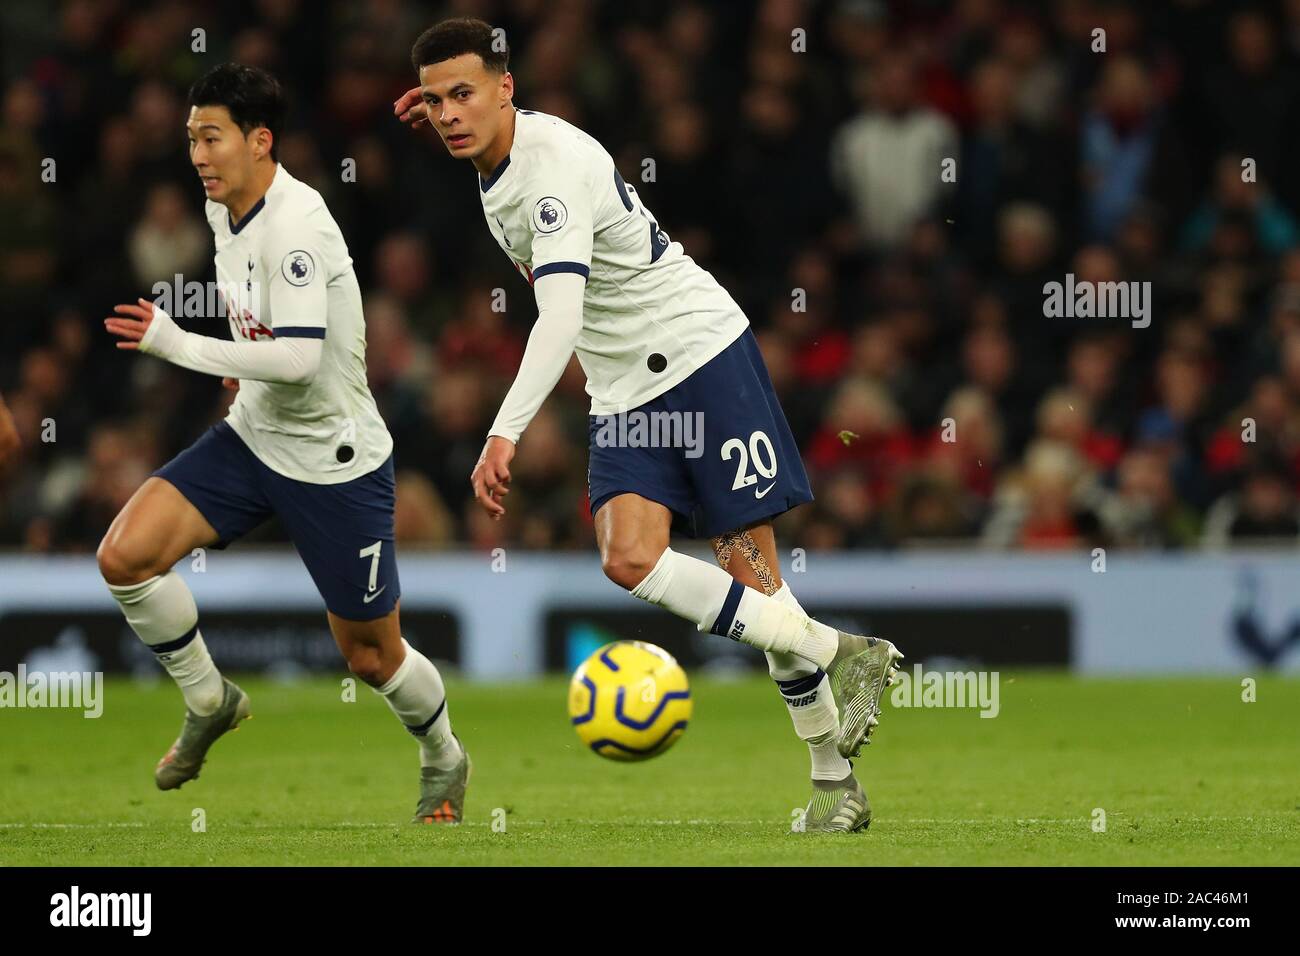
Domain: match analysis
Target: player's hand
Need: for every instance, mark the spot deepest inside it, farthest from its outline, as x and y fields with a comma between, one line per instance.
x=231, y=383
x=411, y=109
x=134, y=327
x=491, y=476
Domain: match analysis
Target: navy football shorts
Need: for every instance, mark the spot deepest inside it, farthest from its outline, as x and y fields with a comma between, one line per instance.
x=715, y=449
x=343, y=532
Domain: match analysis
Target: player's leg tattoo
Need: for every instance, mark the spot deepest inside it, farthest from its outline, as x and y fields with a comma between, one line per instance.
x=725, y=547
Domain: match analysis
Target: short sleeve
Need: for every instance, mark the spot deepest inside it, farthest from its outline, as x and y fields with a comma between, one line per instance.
x=294, y=260
x=560, y=218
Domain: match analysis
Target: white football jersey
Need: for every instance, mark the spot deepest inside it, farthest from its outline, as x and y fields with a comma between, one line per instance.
x=650, y=315
x=285, y=271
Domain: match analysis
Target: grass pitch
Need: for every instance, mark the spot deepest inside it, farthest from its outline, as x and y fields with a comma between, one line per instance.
x=1186, y=773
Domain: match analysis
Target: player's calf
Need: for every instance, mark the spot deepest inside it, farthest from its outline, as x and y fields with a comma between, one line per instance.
x=135, y=558
x=413, y=689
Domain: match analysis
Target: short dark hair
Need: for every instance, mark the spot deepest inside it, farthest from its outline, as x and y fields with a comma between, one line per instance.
x=459, y=35
x=253, y=97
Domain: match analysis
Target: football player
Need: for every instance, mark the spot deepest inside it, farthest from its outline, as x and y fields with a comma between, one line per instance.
x=661, y=342
x=303, y=441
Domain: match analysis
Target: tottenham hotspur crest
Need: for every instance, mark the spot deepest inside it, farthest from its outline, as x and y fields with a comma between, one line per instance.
x=549, y=215
x=298, y=268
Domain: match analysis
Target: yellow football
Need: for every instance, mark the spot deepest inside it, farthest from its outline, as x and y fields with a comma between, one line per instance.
x=629, y=701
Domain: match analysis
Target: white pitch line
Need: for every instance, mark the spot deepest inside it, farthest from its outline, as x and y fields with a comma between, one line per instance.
x=372, y=825
x=67, y=826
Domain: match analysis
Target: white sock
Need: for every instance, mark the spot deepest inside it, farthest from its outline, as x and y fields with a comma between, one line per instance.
x=827, y=762
x=808, y=698
x=718, y=603
x=416, y=695
x=162, y=613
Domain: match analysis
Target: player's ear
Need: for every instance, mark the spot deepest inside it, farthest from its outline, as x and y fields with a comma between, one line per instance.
x=262, y=140
x=507, y=89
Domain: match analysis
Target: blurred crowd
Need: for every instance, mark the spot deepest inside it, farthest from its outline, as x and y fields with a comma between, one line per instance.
x=798, y=150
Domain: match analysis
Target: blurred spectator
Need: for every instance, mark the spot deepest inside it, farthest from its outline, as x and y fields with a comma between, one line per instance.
x=989, y=363
x=1003, y=157
x=27, y=230
x=1040, y=79
x=1264, y=509
x=168, y=241
x=1145, y=510
x=1093, y=370
x=1251, y=99
x=421, y=518
x=1268, y=225
x=930, y=507
x=862, y=428
x=1267, y=423
x=1065, y=416
x=1049, y=503
x=966, y=449
x=889, y=158
x=402, y=270
x=1178, y=422
x=1126, y=144
x=117, y=464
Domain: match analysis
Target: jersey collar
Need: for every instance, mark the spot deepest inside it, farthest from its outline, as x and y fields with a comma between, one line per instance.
x=235, y=227
x=278, y=178
x=486, y=184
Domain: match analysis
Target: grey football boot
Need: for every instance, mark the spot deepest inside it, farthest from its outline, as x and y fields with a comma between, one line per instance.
x=442, y=792
x=183, y=761
x=837, y=806
x=861, y=669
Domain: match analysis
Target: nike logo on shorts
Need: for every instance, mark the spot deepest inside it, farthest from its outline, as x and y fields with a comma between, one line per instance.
x=759, y=494
x=370, y=597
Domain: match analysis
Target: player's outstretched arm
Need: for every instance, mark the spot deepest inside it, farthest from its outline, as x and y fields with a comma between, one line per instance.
x=550, y=345
x=145, y=327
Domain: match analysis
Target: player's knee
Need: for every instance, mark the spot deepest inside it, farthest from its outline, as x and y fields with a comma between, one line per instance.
x=121, y=566
x=366, y=663
x=627, y=567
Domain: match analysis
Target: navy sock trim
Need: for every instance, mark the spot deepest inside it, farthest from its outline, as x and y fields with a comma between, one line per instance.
x=177, y=644
x=723, y=624
x=419, y=730
x=798, y=686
